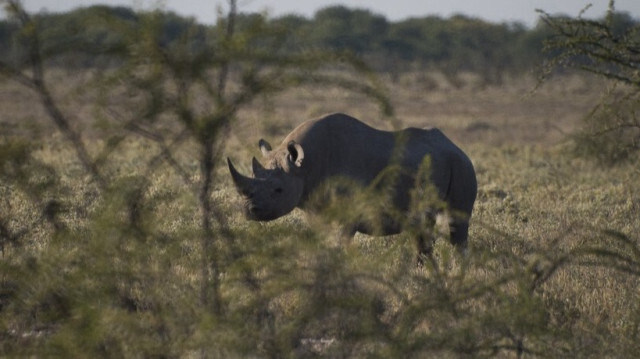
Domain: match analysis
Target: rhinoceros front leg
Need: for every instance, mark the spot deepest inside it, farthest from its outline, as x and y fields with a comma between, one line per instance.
x=422, y=230
x=346, y=233
x=424, y=244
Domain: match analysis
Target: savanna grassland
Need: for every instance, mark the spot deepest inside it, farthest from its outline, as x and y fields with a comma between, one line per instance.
x=553, y=268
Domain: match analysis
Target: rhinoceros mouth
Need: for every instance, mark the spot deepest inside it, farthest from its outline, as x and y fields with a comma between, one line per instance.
x=255, y=213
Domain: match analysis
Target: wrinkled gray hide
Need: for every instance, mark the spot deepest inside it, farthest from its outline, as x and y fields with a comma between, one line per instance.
x=340, y=145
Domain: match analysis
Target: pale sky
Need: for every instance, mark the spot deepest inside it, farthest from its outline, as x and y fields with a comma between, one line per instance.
x=492, y=10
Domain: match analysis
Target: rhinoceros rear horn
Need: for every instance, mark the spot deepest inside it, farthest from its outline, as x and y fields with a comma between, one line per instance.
x=243, y=183
x=258, y=170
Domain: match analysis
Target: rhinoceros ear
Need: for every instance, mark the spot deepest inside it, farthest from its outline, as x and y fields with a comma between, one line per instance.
x=258, y=170
x=265, y=147
x=296, y=153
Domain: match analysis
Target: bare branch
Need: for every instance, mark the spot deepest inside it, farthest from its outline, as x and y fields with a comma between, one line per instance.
x=38, y=84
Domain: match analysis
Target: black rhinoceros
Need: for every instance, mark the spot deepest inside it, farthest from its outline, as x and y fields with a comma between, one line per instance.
x=338, y=145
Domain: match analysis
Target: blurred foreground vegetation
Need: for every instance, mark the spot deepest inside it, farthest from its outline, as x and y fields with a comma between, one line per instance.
x=121, y=234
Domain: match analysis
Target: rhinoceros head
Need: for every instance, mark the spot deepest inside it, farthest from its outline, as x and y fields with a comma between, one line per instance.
x=275, y=190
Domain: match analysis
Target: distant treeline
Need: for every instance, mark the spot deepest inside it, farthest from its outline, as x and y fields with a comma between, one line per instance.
x=449, y=45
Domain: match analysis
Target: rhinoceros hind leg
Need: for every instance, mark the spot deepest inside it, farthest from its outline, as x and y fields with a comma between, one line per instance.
x=425, y=238
x=459, y=232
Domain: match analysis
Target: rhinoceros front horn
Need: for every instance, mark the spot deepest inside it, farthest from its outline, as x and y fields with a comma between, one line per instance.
x=243, y=183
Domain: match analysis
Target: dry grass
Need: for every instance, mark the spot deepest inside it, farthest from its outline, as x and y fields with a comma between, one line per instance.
x=536, y=202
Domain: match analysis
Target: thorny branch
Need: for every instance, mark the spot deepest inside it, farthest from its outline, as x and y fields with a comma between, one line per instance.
x=37, y=83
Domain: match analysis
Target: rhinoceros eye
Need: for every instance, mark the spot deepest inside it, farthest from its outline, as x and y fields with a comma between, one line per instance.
x=278, y=190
